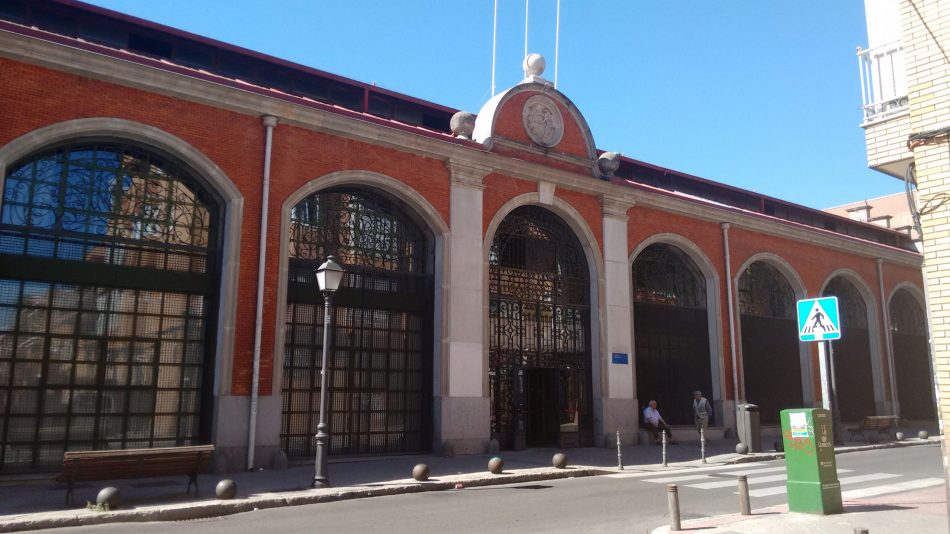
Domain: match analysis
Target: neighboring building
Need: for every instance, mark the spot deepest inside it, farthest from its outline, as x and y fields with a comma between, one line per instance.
x=905, y=75
x=890, y=211
x=507, y=281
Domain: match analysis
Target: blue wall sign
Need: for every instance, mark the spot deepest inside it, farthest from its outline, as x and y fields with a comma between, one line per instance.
x=620, y=357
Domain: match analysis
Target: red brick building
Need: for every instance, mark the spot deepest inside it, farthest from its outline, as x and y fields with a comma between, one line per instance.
x=167, y=197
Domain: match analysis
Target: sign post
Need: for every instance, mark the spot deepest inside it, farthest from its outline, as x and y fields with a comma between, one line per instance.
x=818, y=320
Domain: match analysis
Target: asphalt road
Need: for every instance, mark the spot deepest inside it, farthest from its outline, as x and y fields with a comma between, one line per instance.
x=631, y=502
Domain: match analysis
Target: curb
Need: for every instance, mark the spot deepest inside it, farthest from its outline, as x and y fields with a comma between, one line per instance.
x=217, y=508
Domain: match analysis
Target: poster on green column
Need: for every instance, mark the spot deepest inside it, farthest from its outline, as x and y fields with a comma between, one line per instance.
x=811, y=472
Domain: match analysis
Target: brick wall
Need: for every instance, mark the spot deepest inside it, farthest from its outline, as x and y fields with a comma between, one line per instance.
x=925, y=32
x=887, y=141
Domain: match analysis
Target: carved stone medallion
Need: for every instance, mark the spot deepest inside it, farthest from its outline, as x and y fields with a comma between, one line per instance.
x=542, y=121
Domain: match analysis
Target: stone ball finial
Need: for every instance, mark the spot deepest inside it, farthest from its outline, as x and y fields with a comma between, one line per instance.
x=462, y=124
x=533, y=65
x=608, y=163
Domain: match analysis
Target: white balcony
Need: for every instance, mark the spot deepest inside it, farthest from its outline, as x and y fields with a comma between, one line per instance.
x=883, y=85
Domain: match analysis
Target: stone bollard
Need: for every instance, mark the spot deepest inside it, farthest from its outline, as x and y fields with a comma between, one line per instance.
x=673, y=502
x=420, y=472
x=922, y=434
x=559, y=460
x=860, y=530
x=109, y=497
x=744, y=507
x=226, y=489
x=496, y=465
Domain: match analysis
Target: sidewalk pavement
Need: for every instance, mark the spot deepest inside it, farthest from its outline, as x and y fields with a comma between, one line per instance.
x=913, y=511
x=35, y=502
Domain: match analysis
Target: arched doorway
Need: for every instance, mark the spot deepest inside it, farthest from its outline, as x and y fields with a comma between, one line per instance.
x=381, y=350
x=109, y=270
x=539, y=333
x=671, y=331
x=854, y=376
x=911, y=357
x=770, y=348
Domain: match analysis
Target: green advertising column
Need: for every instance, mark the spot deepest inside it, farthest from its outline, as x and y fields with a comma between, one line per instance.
x=812, y=477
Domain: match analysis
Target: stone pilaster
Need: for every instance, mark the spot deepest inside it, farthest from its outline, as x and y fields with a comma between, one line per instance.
x=462, y=408
x=618, y=410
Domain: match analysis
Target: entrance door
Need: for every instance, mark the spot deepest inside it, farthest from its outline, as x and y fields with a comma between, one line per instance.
x=541, y=406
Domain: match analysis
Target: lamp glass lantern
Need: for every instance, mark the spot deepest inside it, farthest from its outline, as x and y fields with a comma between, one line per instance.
x=329, y=275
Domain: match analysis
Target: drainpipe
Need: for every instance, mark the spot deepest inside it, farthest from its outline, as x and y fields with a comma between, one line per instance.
x=886, y=319
x=732, y=319
x=269, y=123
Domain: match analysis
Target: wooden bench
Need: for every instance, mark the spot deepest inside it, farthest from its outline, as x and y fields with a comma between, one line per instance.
x=134, y=463
x=880, y=424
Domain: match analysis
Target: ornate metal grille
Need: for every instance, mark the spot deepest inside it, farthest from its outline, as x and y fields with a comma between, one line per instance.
x=907, y=315
x=380, y=354
x=851, y=306
x=539, y=318
x=107, y=271
x=671, y=330
x=764, y=292
x=664, y=274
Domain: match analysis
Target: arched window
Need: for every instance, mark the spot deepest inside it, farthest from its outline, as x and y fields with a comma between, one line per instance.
x=664, y=274
x=539, y=341
x=764, y=292
x=671, y=331
x=381, y=341
x=771, y=360
x=108, y=277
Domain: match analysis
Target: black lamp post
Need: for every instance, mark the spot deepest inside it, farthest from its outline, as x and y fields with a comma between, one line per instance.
x=329, y=276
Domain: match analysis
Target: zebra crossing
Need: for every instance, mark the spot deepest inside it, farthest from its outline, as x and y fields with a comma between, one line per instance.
x=768, y=480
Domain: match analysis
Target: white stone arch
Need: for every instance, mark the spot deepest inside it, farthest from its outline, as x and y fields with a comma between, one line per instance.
x=874, y=331
x=595, y=265
x=713, y=306
x=421, y=209
x=151, y=137
x=788, y=271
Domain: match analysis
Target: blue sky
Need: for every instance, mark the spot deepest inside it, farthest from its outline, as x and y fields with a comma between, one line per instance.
x=762, y=95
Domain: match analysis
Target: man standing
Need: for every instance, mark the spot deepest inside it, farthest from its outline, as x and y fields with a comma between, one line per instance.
x=655, y=423
x=701, y=412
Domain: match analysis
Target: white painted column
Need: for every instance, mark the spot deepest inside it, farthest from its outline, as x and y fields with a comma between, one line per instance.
x=463, y=424
x=618, y=409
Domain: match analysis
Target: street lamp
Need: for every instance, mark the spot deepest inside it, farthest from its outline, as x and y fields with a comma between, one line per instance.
x=329, y=276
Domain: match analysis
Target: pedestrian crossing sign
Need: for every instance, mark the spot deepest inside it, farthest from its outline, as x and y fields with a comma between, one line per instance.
x=818, y=319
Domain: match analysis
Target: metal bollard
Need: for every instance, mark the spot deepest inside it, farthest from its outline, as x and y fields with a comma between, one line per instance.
x=673, y=500
x=744, y=507
x=664, y=448
x=702, y=444
x=619, y=453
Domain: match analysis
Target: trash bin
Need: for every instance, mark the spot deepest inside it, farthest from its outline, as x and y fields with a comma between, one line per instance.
x=747, y=426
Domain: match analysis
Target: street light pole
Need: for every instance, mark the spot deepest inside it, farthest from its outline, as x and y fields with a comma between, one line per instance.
x=329, y=275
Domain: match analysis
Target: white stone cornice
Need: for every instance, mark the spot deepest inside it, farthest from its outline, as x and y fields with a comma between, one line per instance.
x=467, y=174
x=615, y=208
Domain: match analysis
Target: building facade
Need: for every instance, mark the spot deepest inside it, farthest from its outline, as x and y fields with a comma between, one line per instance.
x=905, y=75
x=168, y=197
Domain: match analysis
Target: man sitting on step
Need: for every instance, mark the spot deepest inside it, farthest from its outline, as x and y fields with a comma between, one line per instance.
x=655, y=423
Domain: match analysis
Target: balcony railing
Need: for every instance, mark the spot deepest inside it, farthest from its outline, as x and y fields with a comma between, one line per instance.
x=883, y=86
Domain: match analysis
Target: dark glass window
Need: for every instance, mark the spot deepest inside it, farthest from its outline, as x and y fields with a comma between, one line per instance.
x=664, y=274
x=764, y=292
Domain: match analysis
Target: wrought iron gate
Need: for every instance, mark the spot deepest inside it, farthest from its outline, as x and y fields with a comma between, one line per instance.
x=381, y=342
x=911, y=358
x=771, y=363
x=852, y=353
x=108, y=277
x=539, y=324
x=672, y=331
